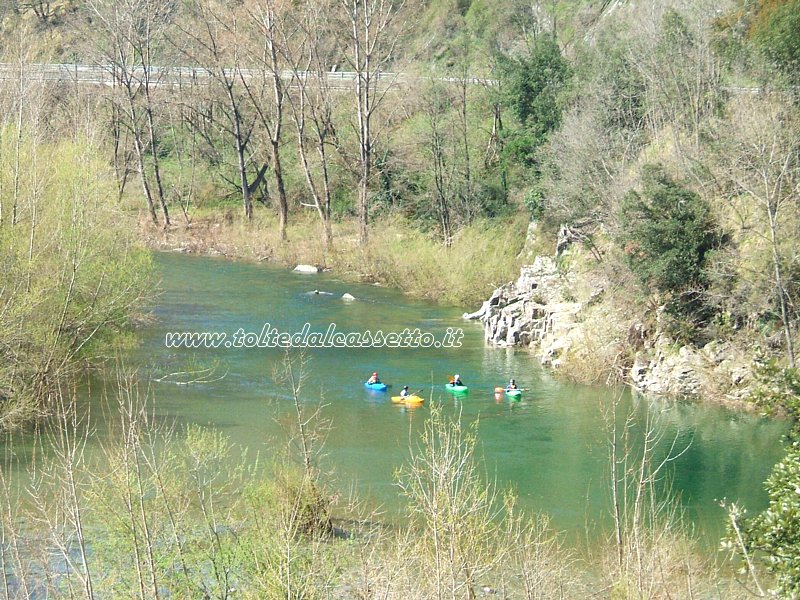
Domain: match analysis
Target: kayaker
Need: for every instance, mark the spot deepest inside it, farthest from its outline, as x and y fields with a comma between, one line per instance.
x=457, y=380
x=512, y=385
x=374, y=378
x=404, y=392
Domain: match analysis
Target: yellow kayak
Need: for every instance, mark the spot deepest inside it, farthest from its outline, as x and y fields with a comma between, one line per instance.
x=413, y=399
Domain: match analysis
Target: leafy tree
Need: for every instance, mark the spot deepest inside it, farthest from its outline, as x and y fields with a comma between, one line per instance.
x=777, y=34
x=667, y=233
x=774, y=534
x=532, y=86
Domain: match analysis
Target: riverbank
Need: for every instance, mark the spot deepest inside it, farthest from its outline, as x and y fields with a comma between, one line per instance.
x=547, y=458
x=398, y=254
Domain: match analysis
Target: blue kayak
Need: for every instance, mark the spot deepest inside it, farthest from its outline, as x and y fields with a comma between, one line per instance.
x=376, y=387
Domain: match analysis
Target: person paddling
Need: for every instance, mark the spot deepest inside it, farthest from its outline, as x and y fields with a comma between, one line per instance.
x=373, y=379
x=456, y=380
x=512, y=385
x=404, y=392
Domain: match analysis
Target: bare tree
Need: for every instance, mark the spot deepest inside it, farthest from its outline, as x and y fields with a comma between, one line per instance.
x=42, y=9
x=132, y=33
x=438, y=146
x=762, y=146
x=269, y=19
x=372, y=37
x=212, y=31
x=681, y=72
x=312, y=110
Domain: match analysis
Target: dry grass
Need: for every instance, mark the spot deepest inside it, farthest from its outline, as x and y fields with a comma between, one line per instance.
x=483, y=255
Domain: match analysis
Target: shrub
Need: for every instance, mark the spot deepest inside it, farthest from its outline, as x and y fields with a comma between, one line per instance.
x=72, y=272
x=777, y=34
x=773, y=535
x=667, y=231
x=531, y=88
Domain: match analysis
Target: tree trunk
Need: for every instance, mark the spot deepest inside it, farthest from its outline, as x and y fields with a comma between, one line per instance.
x=137, y=144
x=240, y=148
x=277, y=91
x=283, y=205
x=776, y=261
x=363, y=199
x=154, y=152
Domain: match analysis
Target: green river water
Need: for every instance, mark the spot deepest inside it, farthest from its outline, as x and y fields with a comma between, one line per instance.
x=551, y=447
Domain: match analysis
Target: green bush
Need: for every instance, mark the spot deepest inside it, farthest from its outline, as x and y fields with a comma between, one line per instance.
x=483, y=256
x=777, y=35
x=774, y=535
x=667, y=233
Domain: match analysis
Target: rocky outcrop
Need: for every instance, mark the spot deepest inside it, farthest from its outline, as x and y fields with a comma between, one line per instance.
x=534, y=311
x=715, y=370
x=538, y=311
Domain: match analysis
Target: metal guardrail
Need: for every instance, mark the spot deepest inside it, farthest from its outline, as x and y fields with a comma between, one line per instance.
x=180, y=76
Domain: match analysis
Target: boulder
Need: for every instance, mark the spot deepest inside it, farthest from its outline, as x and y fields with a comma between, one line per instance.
x=306, y=269
x=348, y=297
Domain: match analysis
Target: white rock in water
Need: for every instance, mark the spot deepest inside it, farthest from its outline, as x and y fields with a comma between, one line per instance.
x=347, y=296
x=306, y=269
x=478, y=313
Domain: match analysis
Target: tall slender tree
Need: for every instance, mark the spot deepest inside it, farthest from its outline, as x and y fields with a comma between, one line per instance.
x=133, y=32
x=214, y=43
x=312, y=110
x=372, y=28
x=268, y=93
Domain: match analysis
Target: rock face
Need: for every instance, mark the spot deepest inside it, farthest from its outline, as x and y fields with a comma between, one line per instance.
x=532, y=311
x=538, y=311
x=666, y=372
x=716, y=369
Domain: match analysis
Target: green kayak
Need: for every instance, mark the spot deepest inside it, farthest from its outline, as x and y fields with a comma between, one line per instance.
x=456, y=389
x=514, y=394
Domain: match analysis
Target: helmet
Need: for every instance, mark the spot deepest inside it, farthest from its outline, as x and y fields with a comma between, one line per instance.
x=513, y=380
x=405, y=387
x=457, y=376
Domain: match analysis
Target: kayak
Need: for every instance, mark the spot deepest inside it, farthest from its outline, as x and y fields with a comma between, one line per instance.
x=456, y=389
x=514, y=394
x=412, y=399
x=376, y=387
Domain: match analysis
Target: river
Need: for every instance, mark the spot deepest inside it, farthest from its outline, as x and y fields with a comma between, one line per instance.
x=551, y=447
